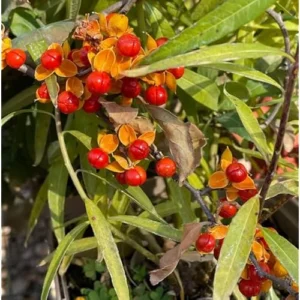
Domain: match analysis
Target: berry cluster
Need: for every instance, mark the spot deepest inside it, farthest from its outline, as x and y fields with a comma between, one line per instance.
x=122, y=152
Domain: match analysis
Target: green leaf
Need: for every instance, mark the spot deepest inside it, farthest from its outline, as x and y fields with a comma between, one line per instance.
x=134, y=193
x=22, y=20
x=289, y=187
x=159, y=24
x=42, y=125
x=244, y=71
x=19, y=101
x=251, y=125
x=108, y=248
x=284, y=251
x=82, y=137
x=52, y=33
x=53, y=88
x=204, y=7
x=182, y=199
x=154, y=227
x=208, y=55
x=199, y=88
x=232, y=122
x=58, y=257
x=36, y=49
x=58, y=179
x=37, y=207
x=225, y=19
x=235, y=249
x=73, y=7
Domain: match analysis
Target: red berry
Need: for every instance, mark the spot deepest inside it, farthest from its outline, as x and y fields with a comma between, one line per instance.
x=165, y=167
x=98, y=158
x=98, y=82
x=218, y=247
x=91, y=105
x=129, y=45
x=252, y=273
x=135, y=176
x=121, y=178
x=51, y=59
x=161, y=41
x=70, y=57
x=138, y=150
x=177, y=72
x=205, y=243
x=249, y=288
x=156, y=95
x=131, y=87
x=15, y=58
x=43, y=91
x=236, y=172
x=83, y=56
x=228, y=210
x=245, y=195
x=67, y=102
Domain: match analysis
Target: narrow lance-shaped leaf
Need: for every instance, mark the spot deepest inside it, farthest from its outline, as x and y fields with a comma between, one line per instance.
x=235, y=249
x=73, y=7
x=58, y=257
x=108, y=248
x=81, y=137
x=225, y=19
x=207, y=55
x=284, y=251
x=251, y=125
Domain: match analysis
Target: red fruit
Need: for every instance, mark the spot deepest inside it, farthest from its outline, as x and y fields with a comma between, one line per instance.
x=51, y=59
x=98, y=82
x=156, y=95
x=131, y=87
x=43, y=91
x=177, y=72
x=138, y=150
x=70, y=54
x=83, y=56
x=121, y=178
x=15, y=58
x=165, y=167
x=228, y=210
x=91, y=105
x=67, y=102
x=135, y=176
x=252, y=273
x=129, y=45
x=161, y=41
x=218, y=247
x=249, y=288
x=98, y=158
x=245, y=195
x=205, y=243
x=236, y=172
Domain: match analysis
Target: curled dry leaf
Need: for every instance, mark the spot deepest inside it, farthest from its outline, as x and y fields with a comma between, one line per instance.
x=141, y=125
x=126, y=135
x=170, y=259
x=119, y=114
x=108, y=143
x=185, y=140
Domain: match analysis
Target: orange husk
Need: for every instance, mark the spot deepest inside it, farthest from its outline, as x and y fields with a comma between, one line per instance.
x=75, y=86
x=109, y=143
x=226, y=159
x=126, y=134
x=219, y=231
x=148, y=137
x=218, y=180
x=115, y=167
x=231, y=194
x=247, y=184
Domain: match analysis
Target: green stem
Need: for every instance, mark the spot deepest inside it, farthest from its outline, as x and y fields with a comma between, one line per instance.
x=141, y=21
x=66, y=158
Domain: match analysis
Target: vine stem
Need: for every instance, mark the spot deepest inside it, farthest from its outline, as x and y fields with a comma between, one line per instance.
x=66, y=158
x=285, y=284
x=290, y=83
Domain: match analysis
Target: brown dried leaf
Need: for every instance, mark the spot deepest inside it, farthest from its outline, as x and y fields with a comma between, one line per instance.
x=185, y=140
x=119, y=114
x=170, y=259
x=141, y=125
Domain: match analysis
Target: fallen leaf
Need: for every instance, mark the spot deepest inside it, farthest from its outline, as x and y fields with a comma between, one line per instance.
x=170, y=259
x=141, y=125
x=119, y=114
x=185, y=140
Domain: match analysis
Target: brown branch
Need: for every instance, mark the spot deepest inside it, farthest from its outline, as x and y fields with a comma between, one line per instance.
x=27, y=70
x=280, y=283
x=291, y=78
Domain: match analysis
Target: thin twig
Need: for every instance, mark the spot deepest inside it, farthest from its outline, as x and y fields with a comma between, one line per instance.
x=27, y=70
x=84, y=72
x=280, y=283
x=291, y=78
x=65, y=287
x=113, y=8
x=127, y=6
